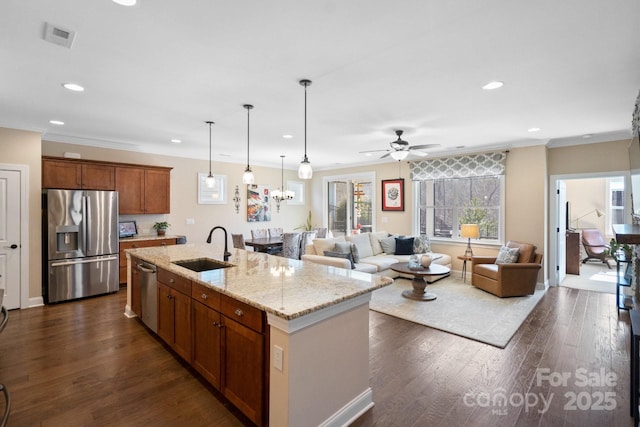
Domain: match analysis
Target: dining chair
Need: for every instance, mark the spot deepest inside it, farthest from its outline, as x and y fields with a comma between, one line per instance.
x=306, y=239
x=275, y=232
x=238, y=241
x=291, y=245
x=260, y=233
x=321, y=232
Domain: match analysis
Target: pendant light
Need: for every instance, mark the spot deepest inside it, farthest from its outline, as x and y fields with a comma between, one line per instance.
x=247, y=176
x=305, y=171
x=210, y=181
x=281, y=194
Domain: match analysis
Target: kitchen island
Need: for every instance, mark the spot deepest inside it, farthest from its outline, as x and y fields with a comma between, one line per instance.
x=317, y=338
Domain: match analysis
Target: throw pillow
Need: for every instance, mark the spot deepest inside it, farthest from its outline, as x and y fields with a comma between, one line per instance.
x=362, y=242
x=421, y=244
x=342, y=247
x=341, y=255
x=507, y=255
x=388, y=245
x=355, y=253
x=404, y=246
x=321, y=245
x=375, y=241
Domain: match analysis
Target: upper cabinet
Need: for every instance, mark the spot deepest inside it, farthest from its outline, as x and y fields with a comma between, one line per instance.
x=75, y=175
x=141, y=189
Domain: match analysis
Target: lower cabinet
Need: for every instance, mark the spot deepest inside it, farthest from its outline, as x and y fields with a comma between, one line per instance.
x=135, y=244
x=225, y=340
x=174, y=319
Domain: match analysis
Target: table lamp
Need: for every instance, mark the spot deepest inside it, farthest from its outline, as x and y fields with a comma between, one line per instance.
x=469, y=231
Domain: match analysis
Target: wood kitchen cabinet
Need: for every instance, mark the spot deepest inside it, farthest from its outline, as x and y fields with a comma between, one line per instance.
x=143, y=190
x=244, y=382
x=138, y=243
x=77, y=175
x=174, y=312
x=206, y=349
x=572, y=252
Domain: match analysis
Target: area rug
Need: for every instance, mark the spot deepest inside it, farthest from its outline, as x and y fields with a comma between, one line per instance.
x=459, y=309
x=594, y=278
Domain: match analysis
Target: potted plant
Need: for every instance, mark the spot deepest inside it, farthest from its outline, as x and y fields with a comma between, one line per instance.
x=616, y=248
x=161, y=227
x=307, y=226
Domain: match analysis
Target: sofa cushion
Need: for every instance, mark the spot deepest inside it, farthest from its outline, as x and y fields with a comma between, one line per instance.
x=421, y=244
x=388, y=245
x=507, y=255
x=334, y=254
x=321, y=245
x=366, y=268
x=375, y=238
x=404, y=246
x=381, y=262
x=363, y=243
x=527, y=251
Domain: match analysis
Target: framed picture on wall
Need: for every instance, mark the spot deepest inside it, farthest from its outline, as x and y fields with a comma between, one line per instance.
x=393, y=194
x=258, y=203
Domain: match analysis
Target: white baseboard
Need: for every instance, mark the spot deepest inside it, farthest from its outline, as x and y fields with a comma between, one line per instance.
x=351, y=411
x=35, y=302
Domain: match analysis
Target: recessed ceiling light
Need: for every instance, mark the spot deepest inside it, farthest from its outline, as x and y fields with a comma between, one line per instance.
x=287, y=136
x=125, y=2
x=73, y=86
x=587, y=136
x=533, y=130
x=493, y=85
x=56, y=122
x=176, y=141
x=368, y=154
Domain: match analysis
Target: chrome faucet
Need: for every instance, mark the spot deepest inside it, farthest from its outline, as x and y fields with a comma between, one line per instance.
x=227, y=254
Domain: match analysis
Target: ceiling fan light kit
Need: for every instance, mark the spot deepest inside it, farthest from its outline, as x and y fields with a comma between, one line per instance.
x=400, y=148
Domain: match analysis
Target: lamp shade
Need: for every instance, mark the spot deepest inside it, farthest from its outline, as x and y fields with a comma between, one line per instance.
x=469, y=231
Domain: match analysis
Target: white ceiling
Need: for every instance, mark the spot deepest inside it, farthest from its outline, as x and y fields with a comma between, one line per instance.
x=159, y=70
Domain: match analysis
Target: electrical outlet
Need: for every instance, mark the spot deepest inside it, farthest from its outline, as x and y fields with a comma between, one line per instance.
x=278, y=355
x=191, y=221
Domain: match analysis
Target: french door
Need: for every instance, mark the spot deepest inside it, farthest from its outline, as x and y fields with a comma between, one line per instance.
x=349, y=202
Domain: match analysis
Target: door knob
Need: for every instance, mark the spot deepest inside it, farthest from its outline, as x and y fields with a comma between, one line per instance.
x=14, y=246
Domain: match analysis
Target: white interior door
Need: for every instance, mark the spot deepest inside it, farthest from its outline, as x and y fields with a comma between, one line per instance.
x=10, y=250
x=561, y=234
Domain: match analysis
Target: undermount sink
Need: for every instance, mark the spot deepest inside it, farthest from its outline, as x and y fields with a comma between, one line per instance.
x=202, y=264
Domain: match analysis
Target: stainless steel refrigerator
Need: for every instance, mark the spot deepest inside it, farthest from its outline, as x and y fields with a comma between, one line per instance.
x=80, y=247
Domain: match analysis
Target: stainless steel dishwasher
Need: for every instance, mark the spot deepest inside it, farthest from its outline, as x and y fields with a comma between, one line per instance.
x=149, y=295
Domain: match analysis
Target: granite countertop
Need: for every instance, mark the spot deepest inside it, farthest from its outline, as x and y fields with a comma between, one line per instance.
x=284, y=287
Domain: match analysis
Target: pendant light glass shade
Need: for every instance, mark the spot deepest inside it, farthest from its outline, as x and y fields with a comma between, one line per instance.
x=305, y=171
x=399, y=155
x=210, y=181
x=247, y=176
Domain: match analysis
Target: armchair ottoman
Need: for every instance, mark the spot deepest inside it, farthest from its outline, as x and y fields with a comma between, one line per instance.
x=511, y=279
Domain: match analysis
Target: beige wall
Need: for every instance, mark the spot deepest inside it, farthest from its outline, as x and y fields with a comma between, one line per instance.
x=23, y=148
x=527, y=175
x=585, y=195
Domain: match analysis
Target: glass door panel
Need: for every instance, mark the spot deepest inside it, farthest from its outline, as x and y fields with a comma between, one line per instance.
x=338, y=196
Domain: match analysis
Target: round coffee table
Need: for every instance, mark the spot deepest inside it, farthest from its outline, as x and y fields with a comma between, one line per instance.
x=419, y=277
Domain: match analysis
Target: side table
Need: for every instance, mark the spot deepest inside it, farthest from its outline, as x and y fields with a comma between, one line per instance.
x=464, y=259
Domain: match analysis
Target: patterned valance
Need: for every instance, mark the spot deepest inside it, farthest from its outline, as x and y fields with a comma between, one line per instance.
x=471, y=165
x=635, y=118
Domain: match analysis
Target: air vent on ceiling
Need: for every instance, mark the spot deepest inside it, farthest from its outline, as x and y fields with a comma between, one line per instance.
x=58, y=35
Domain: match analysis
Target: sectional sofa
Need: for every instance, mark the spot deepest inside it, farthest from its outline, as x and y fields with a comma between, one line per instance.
x=374, y=252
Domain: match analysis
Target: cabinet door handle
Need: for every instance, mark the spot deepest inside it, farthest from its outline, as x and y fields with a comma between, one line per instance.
x=169, y=296
x=218, y=325
x=172, y=281
x=163, y=244
x=134, y=246
x=203, y=296
x=238, y=312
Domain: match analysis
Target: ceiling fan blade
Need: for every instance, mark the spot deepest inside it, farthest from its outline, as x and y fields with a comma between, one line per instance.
x=371, y=151
x=386, y=155
x=422, y=147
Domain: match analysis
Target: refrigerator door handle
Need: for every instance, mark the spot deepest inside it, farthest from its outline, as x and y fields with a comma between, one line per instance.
x=82, y=261
x=88, y=237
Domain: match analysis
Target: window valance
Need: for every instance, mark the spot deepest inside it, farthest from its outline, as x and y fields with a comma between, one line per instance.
x=466, y=166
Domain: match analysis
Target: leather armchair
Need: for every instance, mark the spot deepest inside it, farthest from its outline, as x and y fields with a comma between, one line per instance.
x=508, y=280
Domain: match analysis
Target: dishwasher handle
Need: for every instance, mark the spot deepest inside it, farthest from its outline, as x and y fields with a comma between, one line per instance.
x=145, y=269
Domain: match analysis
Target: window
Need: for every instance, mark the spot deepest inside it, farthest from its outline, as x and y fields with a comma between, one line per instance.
x=615, y=214
x=443, y=204
x=349, y=202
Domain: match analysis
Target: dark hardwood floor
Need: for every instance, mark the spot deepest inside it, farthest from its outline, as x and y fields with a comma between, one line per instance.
x=85, y=364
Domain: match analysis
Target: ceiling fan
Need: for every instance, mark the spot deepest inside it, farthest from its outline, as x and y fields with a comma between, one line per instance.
x=400, y=148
